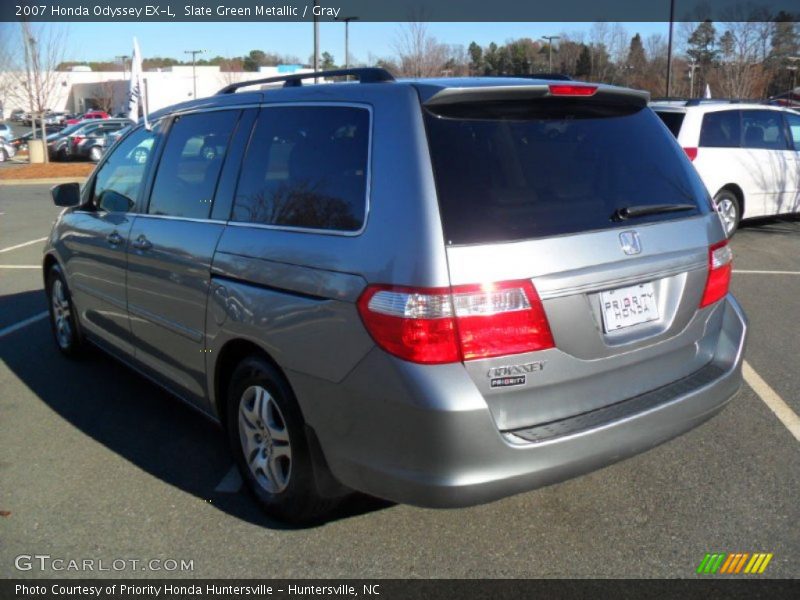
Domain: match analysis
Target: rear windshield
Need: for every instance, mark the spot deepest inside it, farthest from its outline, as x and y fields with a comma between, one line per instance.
x=512, y=171
x=673, y=121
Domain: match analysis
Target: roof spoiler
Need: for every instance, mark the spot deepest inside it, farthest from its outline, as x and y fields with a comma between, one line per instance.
x=583, y=91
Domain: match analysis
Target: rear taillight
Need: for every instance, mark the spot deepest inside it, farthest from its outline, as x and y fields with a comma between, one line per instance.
x=560, y=89
x=720, y=264
x=691, y=153
x=445, y=325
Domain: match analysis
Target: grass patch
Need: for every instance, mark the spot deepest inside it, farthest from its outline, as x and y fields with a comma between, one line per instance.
x=46, y=171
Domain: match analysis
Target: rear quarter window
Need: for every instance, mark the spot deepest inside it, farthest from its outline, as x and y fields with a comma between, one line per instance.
x=306, y=167
x=508, y=173
x=673, y=120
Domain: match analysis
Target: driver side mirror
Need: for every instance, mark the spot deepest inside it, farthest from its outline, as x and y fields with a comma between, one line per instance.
x=66, y=194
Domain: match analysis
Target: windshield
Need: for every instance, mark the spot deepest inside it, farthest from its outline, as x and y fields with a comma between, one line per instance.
x=515, y=171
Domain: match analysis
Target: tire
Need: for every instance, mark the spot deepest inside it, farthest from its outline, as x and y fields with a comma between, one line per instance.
x=266, y=432
x=95, y=153
x=729, y=210
x=63, y=319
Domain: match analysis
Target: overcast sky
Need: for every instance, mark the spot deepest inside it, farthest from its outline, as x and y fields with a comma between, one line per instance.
x=104, y=41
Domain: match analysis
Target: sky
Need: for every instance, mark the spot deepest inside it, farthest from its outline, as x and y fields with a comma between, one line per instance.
x=104, y=41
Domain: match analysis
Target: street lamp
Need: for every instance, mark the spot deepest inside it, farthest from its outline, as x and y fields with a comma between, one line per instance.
x=692, y=66
x=122, y=58
x=550, y=39
x=316, y=40
x=347, y=39
x=194, y=54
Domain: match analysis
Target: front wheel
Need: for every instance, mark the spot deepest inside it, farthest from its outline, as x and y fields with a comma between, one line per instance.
x=63, y=318
x=95, y=153
x=729, y=211
x=266, y=432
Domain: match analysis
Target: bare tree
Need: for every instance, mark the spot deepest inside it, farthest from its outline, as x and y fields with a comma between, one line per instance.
x=419, y=53
x=103, y=96
x=230, y=70
x=741, y=73
x=42, y=47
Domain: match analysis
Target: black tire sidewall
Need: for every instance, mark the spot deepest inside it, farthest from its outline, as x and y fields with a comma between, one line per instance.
x=76, y=344
x=292, y=503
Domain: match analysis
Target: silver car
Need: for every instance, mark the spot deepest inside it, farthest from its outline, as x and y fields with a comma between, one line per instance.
x=439, y=292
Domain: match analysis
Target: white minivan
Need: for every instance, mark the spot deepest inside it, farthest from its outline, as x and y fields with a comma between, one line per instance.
x=748, y=155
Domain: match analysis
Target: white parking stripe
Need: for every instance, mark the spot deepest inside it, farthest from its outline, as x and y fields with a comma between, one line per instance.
x=22, y=245
x=747, y=272
x=231, y=483
x=770, y=397
x=20, y=266
x=21, y=324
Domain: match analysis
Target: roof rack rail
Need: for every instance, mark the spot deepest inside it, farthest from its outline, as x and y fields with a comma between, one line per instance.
x=699, y=101
x=363, y=75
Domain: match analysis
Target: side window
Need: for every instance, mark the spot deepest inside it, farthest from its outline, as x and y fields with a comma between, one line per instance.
x=121, y=177
x=306, y=166
x=763, y=129
x=793, y=121
x=190, y=164
x=720, y=129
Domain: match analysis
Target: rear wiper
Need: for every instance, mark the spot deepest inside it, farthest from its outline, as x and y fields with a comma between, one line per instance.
x=643, y=210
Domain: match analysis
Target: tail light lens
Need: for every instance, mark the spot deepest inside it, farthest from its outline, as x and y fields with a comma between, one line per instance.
x=446, y=325
x=572, y=90
x=720, y=264
x=691, y=153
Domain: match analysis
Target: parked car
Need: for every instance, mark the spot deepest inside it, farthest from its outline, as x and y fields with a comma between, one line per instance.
x=7, y=151
x=91, y=115
x=748, y=155
x=16, y=115
x=440, y=292
x=90, y=143
x=5, y=132
x=100, y=145
x=21, y=142
x=76, y=141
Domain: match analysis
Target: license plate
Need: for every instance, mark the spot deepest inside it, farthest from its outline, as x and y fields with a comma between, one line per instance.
x=628, y=306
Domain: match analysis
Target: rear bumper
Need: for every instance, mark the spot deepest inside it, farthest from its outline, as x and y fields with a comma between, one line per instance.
x=425, y=436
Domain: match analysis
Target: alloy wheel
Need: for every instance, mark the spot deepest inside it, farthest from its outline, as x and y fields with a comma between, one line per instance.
x=265, y=439
x=62, y=314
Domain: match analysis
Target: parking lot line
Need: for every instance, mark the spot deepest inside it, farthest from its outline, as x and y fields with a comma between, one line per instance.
x=751, y=272
x=770, y=397
x=20, y=266
x=231, y=483
x=22, y=245
x=21, y=324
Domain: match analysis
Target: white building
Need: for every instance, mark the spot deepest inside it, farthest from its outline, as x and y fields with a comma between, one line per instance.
x=80, y=89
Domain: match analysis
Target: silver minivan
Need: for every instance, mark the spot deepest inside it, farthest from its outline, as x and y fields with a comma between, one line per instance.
x=438, y=292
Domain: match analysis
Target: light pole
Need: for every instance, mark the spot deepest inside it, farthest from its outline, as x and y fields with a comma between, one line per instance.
x=194, y=54
x=347, y=39
x=669, y=46
x=550, y=39
x=793, y=69
x=316, y=40
x=122, y=58
x=692, y=68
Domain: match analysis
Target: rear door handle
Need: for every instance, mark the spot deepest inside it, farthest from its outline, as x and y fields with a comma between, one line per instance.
x=114, y=238
x=142, y=243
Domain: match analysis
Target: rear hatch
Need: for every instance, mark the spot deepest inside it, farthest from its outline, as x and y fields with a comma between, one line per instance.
x=582, y=192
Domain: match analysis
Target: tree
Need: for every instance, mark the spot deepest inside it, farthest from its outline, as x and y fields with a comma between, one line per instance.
x=328, y=62
x=103, y=96
x=475, y=58
x=583, y=67
x=420, y=54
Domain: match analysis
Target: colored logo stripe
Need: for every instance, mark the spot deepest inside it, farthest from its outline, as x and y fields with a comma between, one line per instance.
x=733, y=563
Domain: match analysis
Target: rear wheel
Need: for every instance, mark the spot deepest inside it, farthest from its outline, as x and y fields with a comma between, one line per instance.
x=63, y=319
x=267, y=436
x=95, y=153
x=729, y=210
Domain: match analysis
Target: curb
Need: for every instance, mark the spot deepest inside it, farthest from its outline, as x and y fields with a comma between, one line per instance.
x=47, y=181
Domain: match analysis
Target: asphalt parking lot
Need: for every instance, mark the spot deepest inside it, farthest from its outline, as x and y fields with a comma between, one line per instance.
x=97, y=463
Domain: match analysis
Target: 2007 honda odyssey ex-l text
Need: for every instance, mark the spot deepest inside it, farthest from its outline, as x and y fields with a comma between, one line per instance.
x=439, y=292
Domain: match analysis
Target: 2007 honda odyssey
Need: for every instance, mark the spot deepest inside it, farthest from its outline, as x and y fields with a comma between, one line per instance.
x=439, y=292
